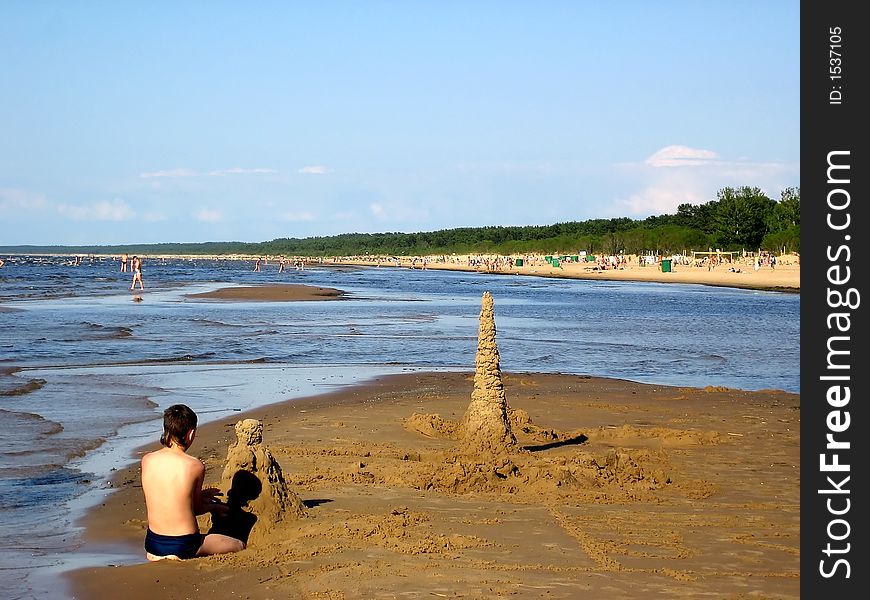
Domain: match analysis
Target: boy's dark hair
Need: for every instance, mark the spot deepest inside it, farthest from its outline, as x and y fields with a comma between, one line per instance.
x=178, y=419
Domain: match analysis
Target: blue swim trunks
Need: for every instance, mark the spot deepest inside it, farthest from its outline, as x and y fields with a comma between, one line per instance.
x=182, y=546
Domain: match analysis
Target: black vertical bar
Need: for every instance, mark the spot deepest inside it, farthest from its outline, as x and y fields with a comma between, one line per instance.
x=834, y=255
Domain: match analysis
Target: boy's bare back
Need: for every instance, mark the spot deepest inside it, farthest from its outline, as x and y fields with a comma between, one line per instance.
x=171, y=481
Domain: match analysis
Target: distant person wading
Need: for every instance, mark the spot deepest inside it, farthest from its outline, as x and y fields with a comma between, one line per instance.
x=137, y=273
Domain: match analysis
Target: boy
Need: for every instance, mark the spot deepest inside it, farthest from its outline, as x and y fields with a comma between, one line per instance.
x=172, y=483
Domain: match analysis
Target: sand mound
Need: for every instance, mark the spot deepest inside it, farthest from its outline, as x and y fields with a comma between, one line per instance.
x=521, y=422
x=614, y=475
x=716, y=388
x=257, y=494
x=432, y=425
x=662, y=436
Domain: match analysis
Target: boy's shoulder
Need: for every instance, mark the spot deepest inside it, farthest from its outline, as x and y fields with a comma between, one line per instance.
x=165, y=456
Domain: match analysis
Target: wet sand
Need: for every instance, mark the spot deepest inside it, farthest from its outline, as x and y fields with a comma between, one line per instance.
x=271, y=293
x=616, y=490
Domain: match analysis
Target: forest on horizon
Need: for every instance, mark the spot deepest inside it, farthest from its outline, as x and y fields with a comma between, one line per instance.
x=739, y=219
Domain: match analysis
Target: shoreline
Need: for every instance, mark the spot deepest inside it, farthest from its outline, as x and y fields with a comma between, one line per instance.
x=784, y=278
x=387, y=509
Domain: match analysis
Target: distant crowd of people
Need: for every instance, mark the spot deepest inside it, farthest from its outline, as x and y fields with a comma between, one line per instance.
x=298, y=264
x=765, y=259
x=486, y=263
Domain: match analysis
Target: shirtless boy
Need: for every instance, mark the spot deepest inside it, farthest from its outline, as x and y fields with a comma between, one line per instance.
x=172, y=483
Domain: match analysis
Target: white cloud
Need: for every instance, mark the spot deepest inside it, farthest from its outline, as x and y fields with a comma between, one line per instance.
x=507, y=168
x=178, y=173
x=301, y=216
x=681, y=156
x=664, y=198
x=314, y=170
x=172, y=173
x=344, y=215
x=240, y=171
x=398, y=212
x=116, y=210
x=18, y=200
x=208, y=215
x=694, y=176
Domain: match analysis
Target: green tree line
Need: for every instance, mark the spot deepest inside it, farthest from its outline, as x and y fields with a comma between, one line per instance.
x=739, y=219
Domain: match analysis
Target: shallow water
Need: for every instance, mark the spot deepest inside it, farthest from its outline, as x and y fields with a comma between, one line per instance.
x=92, y=365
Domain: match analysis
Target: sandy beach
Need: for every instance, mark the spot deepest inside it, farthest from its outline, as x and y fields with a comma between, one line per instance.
x=618, y=490
x=740, y=273
x=612, y=489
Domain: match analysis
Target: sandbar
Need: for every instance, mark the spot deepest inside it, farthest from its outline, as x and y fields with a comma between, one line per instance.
x=271, y=293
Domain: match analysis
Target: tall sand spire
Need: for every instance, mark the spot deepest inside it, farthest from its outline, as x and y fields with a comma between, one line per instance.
x=485, y=425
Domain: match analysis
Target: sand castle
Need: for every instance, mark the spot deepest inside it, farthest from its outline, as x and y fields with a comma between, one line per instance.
x=485, y=424
x=254, y=479
x=489, y=455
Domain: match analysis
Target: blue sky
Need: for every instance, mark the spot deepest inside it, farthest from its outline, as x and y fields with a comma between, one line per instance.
x=143, y=122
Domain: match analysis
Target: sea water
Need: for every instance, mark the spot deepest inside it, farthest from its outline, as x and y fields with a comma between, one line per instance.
x=86, y=369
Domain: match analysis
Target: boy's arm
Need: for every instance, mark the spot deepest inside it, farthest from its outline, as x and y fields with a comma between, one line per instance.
x=205, y=500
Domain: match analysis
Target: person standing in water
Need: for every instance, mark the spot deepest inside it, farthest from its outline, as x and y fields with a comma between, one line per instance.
x=137, y=273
